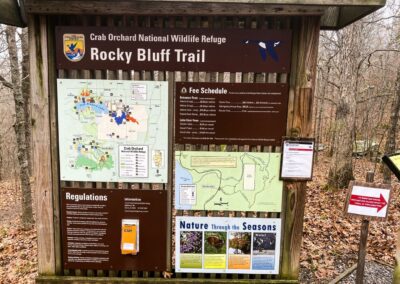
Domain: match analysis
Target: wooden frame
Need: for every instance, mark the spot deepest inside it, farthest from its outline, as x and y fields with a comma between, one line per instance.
x=301, y=83
x=293, y=139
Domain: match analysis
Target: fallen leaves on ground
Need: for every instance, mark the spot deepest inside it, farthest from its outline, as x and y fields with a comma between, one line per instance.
x=18, y=247
x=330, y=238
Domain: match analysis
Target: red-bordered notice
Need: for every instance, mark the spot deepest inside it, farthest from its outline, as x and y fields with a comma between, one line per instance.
x=297, y=160
x=368, y=200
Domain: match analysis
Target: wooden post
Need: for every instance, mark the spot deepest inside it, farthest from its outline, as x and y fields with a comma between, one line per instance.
x=362, y=249
x=43, y=180
x=302, y=82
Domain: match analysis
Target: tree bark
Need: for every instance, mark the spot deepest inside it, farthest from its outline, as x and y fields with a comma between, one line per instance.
x=26, y=93
x=27, y=213
x=341, y=169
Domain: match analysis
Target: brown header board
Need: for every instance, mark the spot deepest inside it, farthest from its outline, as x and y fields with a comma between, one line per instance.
x=234, y=50
x=230, y=113
x=92, y=222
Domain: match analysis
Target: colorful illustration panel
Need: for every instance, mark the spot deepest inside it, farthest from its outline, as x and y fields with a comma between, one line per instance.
x=227, y=245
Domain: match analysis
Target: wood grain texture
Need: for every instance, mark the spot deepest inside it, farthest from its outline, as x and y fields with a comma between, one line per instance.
x=168, y=8
x=54, y=146
x=302, y=82
x=42, y=185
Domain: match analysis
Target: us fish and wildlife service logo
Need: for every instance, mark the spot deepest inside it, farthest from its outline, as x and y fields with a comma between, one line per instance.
x=74, y=46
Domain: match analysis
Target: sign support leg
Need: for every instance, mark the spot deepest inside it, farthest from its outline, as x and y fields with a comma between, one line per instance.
x=362, y=249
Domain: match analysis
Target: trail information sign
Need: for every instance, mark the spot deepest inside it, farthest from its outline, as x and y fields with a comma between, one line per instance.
x=102, y=229
x=393, y=162
x=297, y=159
x=230, y=113
x=232, y=181
x=227, y=245
x=234, y=50
x=113, y=130
x=368, y=200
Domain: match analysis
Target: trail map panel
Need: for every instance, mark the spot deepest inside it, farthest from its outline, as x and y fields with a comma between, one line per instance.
x=113, y=130
x=232, y=181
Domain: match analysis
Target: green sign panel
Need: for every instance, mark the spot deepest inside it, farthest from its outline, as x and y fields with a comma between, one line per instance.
x=232, y=181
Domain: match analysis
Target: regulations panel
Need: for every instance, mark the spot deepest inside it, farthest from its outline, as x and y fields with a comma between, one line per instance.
x=114, y=229
x=113, y=130
x=230, y=113
x=234, y=181
x=227, y=245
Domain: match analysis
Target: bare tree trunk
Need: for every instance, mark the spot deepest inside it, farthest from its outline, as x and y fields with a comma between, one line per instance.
x=26, y=93
x=390, y=145
x=341, y=170
x=27, y=213
x=319, y=115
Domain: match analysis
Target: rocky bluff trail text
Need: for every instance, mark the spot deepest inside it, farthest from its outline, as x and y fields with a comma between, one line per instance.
x=148, y=55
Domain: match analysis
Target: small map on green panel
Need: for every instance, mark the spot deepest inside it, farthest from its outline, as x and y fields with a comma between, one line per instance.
x=113, y=130
x=231, y=181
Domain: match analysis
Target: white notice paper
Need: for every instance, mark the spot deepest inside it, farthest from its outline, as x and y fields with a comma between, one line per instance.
x=134, y=161
x=297, y=159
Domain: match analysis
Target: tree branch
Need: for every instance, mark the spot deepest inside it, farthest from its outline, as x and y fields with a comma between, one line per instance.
x=6, y=83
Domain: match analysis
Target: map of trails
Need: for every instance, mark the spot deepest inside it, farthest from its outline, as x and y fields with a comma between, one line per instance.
x=112, y=130
x=233, y=181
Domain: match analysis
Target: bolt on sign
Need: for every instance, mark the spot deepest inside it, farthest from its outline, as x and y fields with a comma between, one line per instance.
x=368, y=200
x=234, y=50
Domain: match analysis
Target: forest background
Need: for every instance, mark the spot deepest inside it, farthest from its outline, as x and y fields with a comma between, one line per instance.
x=356, y=113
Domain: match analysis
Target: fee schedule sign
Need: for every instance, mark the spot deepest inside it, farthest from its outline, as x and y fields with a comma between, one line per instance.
x=208, y=113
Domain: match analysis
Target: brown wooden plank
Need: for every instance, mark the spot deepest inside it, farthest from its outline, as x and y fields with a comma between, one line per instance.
x=42, y=167
x=304, y=58
x=54, y=146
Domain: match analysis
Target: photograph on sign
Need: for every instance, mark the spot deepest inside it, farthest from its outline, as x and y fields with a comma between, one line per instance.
x=393, y=162
x=227, y=245
x=230, y=113
x=113, y=130
x=368, y=200
x=297, y=159
x=232, y=181
x=114, y=229
x=119, y=48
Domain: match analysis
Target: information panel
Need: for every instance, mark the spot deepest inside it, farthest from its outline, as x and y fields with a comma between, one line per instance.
x=102, y=229
x=227, y=245
x=393, y=162
x=234, y=50
x=230, y=113
x=113, y=130
x=368, y=200
x=231, y=181
x=297, y=159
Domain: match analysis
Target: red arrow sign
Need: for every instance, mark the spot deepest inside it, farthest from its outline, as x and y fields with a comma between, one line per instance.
x=368, y=201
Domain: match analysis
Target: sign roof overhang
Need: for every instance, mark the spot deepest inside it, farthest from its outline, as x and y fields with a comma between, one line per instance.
x=335, y=14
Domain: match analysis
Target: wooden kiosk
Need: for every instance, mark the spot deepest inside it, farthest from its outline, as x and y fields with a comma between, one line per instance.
x=302, y=19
